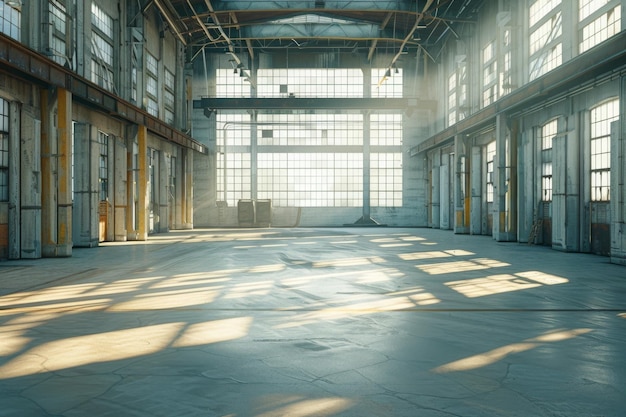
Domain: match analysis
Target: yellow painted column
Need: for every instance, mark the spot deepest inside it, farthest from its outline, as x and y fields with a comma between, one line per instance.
x=142, y=186
x=64, y=169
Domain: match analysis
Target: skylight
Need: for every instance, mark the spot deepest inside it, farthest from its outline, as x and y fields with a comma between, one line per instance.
x=311, y=18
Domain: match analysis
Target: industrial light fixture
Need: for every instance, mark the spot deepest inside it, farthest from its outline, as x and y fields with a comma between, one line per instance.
x=388, y=73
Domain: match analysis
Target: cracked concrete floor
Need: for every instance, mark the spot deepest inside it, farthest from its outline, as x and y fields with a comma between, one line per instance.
x=313, y=322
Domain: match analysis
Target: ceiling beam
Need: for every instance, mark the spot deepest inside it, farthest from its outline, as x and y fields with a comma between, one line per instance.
x=384, y=23
x=170, y=21
x=233, y=17
x=304, y=103
x=408, y=37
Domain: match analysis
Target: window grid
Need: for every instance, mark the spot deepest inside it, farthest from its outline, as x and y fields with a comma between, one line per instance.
x=102, y=48
x=548, y=132
x=103, y=172
x=310, y=82
x=10, y=21
x=231, y=85
x=491, y=154
x=545, y=50
x=490, y=74
x=600, y=29
x=152, y=82
x=58, y=22
x=235, y=128
x=386, y=129
x=589, y=7
x=541, y=8
x=4, y=150
x=101, y=21
x=601, y=118
x=169, y=96
x=506, y=76
x=238, y=179
x=311, y=179
x=319, y=129
x=392, y=85
x=386, y=179
x=452, y=100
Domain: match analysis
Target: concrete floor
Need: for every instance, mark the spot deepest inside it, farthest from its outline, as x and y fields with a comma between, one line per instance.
x=313, y=322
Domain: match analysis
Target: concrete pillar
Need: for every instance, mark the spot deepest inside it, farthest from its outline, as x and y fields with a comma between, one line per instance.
x=188, y=189
x=476, y=187
x=142, y=183
x=85, y=230
x=120, y=190
x=566, y=186
x=618, y=187
x=254, y=160
x=30, y=192
x=163, y=190
x=15, y=162
x=504, y=224
x=131, y=180
x=366, y=168
x=444, y=193
x=461, y=197
x=527, y=186
x=56, y=156
x=435, y=208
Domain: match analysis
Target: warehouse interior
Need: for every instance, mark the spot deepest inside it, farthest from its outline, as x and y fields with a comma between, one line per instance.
x=446, y=128
x=496, y=118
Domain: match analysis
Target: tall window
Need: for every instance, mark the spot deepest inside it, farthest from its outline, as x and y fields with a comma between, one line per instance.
x=601, y=118
x=452, y=111
x=10, y=20
x=4, y=150
x=546, y=27
x=506, y=76
x=152, y=85
x=102, y=48
x=234, y=158
x=386, y=179
x=598, y=21
x=548, y=132
x=103, y=172
x=169, y=101
x=490, y=74
x=59, y=32
x=386, y=160
x=490, y=156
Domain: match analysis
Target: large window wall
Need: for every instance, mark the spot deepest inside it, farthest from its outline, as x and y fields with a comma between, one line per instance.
x=310, y=158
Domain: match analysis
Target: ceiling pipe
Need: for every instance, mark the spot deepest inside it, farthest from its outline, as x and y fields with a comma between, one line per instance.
x=407, y=38
x=169, y=21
